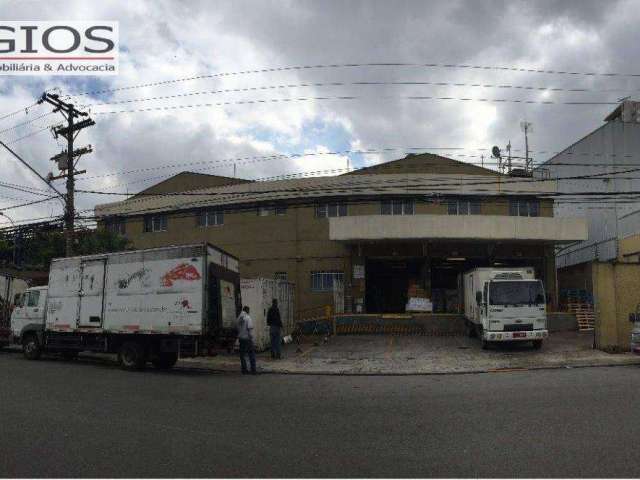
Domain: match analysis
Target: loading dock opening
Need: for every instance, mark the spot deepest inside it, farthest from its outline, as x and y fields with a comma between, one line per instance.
x=394, y=272
x=388, y=282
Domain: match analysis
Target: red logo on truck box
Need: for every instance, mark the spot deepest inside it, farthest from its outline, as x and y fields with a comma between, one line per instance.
x=184, y=271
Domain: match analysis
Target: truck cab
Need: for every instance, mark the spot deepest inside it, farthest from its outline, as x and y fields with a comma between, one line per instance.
x=28, y=317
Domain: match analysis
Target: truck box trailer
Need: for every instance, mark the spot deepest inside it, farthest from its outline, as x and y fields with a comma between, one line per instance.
x=505, y=304
x=156, y=304
x=258, y=294
x=10, y=287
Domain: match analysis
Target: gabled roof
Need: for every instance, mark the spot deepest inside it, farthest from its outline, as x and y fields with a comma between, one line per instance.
x=185, y=181
x=426, y=163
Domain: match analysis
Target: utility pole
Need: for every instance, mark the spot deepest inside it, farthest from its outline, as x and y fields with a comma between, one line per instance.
x=65, y=159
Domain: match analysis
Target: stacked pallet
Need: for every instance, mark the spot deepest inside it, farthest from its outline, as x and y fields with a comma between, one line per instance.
x=584, y=314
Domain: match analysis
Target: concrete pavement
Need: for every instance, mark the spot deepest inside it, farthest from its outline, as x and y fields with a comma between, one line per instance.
x=409, y=355
x=90, y=419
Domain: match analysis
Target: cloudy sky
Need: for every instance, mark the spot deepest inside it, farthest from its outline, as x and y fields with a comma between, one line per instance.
x=169, y=40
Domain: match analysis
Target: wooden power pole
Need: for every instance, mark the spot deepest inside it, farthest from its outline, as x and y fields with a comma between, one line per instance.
x=65, y=159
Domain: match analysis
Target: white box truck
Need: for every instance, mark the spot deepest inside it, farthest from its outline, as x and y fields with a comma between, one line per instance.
x=10, y=288
x=156, y=304
x=505, y=304
x=258, y=294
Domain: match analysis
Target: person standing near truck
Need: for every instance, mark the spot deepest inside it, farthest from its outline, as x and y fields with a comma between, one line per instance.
x=244, y=324
x=275, y=329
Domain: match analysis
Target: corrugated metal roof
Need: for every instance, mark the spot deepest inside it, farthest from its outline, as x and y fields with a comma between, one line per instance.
x=335, y=186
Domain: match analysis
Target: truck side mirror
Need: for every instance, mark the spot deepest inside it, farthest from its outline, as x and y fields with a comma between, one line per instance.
x=633, y=317
x=478, y=297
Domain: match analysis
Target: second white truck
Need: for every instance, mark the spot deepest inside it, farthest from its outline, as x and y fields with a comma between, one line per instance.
x=505, y=304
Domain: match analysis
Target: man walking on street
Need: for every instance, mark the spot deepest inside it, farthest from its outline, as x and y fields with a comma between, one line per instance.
x=275, y=329
x=244, y=324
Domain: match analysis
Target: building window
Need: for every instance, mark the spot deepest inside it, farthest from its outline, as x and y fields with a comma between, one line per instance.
x=524, y=208
x=327, y=210
x=398, y=207
x=281, y=210
x=464, y=207
x=281, y=276
x=155, y=223
x=323, y=281
x=209, y=218
x=115, y=226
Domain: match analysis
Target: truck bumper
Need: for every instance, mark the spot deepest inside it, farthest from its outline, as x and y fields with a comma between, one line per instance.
x=525, y=336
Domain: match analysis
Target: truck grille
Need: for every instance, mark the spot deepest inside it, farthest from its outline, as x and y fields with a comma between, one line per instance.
x=518, y=327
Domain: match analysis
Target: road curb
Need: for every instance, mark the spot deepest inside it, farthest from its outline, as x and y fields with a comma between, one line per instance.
x=202, y=366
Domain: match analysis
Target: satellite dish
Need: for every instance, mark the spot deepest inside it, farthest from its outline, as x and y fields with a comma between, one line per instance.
x=495, y=151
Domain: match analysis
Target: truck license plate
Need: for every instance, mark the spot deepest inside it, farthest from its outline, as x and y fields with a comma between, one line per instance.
x=519, y=335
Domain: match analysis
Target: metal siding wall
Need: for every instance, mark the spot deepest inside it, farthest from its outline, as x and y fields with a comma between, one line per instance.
x=613, y=144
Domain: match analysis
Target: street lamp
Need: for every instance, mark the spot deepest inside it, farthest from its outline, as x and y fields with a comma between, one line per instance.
x=13, y=224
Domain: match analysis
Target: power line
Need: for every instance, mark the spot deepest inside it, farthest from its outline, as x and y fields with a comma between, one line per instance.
x=25, y=123
x=24, y=109
x=360, y=65
x=25, y=189
x=188, y=211
x=353, y=184
x=363, y=83
x=350, y=97
x=34, y=202
x=263, y=158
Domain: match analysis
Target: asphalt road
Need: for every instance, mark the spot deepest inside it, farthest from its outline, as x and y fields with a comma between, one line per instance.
x=90, y=419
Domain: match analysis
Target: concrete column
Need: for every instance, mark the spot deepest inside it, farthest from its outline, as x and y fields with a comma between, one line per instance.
x=604, y=299
x=358, y=285
x=550, y=277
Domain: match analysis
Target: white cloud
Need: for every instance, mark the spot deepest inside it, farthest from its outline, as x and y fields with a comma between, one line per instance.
x=165, y=40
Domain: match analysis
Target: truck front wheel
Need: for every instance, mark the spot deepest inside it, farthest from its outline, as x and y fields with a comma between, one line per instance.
x=537, y=344
x=165, y=360
x=132, y=356
x=31, y=347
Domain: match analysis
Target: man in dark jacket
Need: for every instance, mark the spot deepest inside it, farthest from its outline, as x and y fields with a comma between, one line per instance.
x=275, y=329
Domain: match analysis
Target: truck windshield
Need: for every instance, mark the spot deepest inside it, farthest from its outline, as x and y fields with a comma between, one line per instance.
x=516, y=293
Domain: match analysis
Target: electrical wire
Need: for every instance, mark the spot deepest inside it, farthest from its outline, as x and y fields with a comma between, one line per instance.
x=359, y=65
x=365, y=83
x=14, y=127
x=34, y=202
x=20, y=110
x=346, y=97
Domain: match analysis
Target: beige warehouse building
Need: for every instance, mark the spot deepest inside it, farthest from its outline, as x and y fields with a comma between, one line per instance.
x=376, y=233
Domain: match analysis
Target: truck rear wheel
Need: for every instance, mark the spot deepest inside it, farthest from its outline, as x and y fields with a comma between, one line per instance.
x=485, y=344
x=132, y=356
x=165, y=360
x=31, y=347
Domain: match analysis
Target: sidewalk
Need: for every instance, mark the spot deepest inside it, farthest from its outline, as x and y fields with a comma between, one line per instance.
x=409, y=355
